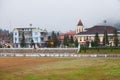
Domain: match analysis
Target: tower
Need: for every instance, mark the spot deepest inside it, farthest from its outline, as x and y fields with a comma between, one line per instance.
x=79, y=27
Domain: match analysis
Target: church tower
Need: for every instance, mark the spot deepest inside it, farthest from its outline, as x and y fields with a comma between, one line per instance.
x=79, y=27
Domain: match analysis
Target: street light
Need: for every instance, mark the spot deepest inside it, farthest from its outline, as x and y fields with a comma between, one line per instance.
x=105, y=31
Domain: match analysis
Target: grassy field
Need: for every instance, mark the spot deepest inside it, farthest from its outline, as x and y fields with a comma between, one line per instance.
x=59, y=69
x=107, y=50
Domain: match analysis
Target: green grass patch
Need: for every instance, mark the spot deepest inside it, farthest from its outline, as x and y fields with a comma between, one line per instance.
x=100, y=50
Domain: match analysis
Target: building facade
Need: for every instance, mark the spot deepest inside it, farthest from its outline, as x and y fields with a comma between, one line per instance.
x=80, y=27
x=88, y=34
x=39, y=36
x=69, y=34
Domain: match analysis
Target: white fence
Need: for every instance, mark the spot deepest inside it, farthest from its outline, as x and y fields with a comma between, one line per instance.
x=38, y=50
x=50, y=52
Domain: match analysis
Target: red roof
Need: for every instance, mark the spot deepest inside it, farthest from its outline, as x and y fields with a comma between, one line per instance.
x=4, y=34
x=80, y=23
x=71, y=33
x=61, y=37
x=99, y=29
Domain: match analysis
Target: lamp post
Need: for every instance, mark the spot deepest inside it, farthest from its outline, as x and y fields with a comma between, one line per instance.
x=15, y=42
x=105, y=31
x=90, y=41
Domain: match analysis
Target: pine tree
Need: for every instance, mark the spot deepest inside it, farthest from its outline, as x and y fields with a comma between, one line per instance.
x=23, y=44
x=58, y=34
x=105, y=38
x=55, y=39
x=71, y=40
x=76, y=42
x=97, y=40
x=65, y=40
x=116, y=41
x=68, y=40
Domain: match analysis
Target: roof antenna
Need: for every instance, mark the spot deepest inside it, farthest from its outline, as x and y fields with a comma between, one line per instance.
x=30, y=25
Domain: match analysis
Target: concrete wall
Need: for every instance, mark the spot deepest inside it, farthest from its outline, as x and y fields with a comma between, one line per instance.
x=39, y=50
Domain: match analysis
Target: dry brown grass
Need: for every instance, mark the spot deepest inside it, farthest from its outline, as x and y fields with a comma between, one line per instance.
x=14, y=63
x=59, y=69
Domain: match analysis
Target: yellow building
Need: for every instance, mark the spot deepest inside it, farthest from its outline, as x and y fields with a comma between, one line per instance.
x=84, y=35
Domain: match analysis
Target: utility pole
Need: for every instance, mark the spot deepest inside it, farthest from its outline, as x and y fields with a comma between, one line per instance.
x=105, y=31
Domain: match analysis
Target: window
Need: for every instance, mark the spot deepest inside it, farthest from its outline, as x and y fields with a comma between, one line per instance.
x=42, y=39
x=80, y=39
x=15, y=33
x=36, y=33
x=36, y=39
x=84, y=38
x=15, y=40
x=42, y=33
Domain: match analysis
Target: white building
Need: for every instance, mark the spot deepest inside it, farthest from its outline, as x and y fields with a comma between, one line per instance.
x=39, y=36
x=88, y=34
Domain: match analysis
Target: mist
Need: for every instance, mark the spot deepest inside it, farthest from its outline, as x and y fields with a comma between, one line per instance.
x=59, y=15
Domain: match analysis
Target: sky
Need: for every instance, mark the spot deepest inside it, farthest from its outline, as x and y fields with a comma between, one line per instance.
x=57, y=15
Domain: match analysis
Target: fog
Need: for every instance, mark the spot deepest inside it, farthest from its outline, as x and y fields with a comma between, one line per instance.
x=58, y=15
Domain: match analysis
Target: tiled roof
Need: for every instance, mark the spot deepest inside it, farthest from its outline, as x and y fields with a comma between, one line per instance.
x=61, y=37
x=71, y=33
x=80, y=23
x=99, y=29
x=4, y=34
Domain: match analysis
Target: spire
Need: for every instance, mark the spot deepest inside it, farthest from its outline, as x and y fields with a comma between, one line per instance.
x=80, y=23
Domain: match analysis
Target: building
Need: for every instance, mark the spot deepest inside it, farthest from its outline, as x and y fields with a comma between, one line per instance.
x=5, y=39
x=88, y=34
x=70, y=33
x=80, y=27
x=39, y=36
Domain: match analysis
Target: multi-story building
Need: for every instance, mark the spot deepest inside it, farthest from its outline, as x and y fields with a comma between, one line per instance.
x=39, y=36
x=88, y=34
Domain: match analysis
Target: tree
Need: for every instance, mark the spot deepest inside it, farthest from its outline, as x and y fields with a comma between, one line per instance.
x=76, y=42
x=10, y=36
x=97, y=40
x=87, y=41
x=116, y=41
x=92, y=43
x=105, y=38
x=23, y=44
x=32, y=44
x=66, y=40
x=55, y=39
x=58, y=34
x=71, y=40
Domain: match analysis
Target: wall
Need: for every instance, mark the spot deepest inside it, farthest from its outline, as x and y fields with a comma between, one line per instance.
x=39, y=50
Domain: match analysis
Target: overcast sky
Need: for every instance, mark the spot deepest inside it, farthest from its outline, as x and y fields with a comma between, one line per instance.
x=59, y=15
